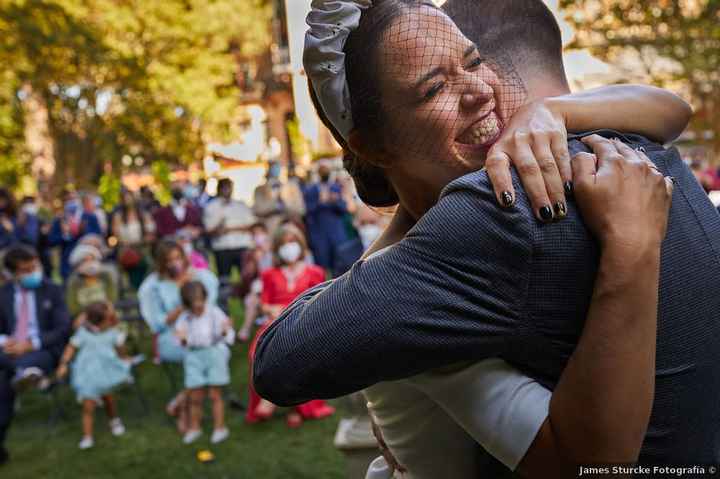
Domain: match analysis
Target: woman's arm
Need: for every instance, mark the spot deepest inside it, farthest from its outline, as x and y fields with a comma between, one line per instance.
x=534, y=140
x=658, y=114
x=601, y=406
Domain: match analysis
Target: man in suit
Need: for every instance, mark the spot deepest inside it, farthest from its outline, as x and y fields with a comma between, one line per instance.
x=34, y=327
x=503, y=285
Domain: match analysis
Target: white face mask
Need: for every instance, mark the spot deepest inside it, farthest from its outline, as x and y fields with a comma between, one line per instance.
x=290, y=252
x=187, y=249
x=30, y=209
x=90, y=268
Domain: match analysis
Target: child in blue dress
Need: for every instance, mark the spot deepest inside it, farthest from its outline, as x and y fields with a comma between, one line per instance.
x=98, y=367
x=205, y=331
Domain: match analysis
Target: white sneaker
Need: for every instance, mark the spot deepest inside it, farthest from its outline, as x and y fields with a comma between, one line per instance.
x=117, y=428
x=191, y=436
x=219, y=435
x=86, y=443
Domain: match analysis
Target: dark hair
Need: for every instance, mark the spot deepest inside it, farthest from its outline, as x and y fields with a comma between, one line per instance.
x=17, y=254
x=191, y=291
x=223, y=182
x=523, y=32
x=161, y=251
x=362, y=72
x=95, y=313
x=11, y=209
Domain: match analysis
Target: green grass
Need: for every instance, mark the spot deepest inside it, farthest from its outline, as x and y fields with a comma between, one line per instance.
x=152, y=448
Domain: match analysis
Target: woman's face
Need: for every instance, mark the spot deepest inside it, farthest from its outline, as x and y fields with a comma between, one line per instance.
x=175, y=262
x=439, y=100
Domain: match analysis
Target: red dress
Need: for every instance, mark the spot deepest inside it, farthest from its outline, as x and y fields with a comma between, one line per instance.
x=276, y=292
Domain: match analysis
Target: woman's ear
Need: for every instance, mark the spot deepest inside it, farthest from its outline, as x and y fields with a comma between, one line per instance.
x=368, y=150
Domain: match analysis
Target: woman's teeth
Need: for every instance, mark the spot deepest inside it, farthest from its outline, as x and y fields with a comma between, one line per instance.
x=483, y=131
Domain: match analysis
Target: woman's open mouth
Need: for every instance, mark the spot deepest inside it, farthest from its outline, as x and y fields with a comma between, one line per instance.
x=483, y=133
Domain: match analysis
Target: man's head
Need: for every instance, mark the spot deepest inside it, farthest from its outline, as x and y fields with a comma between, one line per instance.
x=23, y=263
x=520, y=35
x=225, y=188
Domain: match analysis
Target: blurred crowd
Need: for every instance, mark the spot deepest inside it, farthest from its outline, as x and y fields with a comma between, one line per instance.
x=73, y=269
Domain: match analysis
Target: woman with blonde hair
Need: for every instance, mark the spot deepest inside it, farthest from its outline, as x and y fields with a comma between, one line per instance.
x=291, y=276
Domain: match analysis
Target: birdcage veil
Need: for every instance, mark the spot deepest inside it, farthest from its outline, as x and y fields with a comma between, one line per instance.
x=402, y=74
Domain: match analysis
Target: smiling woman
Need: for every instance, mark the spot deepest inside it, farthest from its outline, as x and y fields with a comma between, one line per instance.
x=421, y=91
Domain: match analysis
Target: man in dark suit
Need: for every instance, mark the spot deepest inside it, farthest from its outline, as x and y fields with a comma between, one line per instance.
x=34, y=327
x=472, y=281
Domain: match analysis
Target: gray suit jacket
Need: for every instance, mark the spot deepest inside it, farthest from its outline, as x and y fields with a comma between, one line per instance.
x=473, y=281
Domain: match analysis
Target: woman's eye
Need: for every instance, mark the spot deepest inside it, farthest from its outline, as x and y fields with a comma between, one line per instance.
x=474, y=64
x=434, y=90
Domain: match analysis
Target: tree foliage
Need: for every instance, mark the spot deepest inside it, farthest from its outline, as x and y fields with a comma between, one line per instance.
x=150, y=78
x=677, y=42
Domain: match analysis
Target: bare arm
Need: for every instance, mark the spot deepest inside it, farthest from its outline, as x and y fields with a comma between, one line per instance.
x=653, y=112
x=65, y=359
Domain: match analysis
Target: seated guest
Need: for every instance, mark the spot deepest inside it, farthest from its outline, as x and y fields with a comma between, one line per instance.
x=291, y=276
x=34, y=327
x=161, y=306
x=89, y=282
x=67, y=229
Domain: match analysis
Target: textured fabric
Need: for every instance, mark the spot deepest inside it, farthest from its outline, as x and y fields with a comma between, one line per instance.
x=472, y=281
x=331, y=22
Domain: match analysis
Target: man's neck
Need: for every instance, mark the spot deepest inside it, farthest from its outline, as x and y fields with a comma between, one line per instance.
x=541, y=86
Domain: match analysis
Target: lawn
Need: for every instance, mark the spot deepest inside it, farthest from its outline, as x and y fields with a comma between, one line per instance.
x=152, y=448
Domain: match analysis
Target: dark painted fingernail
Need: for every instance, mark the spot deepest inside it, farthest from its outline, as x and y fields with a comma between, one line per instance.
x=507, y=199
x=546, y=213
x=560, y=210
x=568, y=186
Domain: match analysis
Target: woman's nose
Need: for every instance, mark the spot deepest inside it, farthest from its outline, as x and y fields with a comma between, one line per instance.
x=475, y=96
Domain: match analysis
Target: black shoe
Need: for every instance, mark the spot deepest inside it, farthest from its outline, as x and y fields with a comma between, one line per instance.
x=4, y=456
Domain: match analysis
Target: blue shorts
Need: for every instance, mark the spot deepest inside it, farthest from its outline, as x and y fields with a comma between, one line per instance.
x=207, y=366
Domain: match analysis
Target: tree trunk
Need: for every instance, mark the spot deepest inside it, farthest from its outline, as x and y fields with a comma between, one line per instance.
x=38, y=138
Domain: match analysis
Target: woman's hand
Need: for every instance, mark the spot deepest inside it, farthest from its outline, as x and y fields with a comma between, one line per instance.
x=625, y=200
x=535, y=142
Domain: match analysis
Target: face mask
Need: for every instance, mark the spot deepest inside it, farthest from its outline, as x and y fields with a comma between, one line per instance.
x=191, y=192
x=176, y=268
x=188, y=249
x=369, y=233
x=290, y=252
x=91, y=268
x=274, y=171
x=30, y=209
x=32, y=280
x=261, y=240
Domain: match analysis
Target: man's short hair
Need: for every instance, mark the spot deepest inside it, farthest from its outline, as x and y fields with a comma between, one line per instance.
x=521, y=32
x=17, y=254
x=223, y=182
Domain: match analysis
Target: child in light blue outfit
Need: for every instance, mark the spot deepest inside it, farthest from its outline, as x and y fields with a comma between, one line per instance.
x=97, y=367
x=205, y=331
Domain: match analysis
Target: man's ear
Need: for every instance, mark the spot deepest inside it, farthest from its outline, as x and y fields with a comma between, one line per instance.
x=368, y=150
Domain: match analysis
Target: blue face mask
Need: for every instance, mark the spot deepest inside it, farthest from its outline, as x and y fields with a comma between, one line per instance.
x=274, y=171
x=32, y=280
